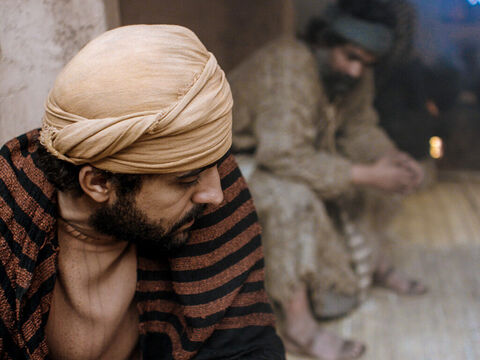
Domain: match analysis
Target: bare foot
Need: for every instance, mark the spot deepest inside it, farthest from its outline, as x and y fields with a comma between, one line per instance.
x=394, y=280
x=323, y=345
x=302, y=335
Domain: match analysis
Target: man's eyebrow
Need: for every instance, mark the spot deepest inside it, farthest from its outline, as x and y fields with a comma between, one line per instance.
x=196, y=172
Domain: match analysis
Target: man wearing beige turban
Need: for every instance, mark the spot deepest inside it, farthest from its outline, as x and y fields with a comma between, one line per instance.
x=127, y=230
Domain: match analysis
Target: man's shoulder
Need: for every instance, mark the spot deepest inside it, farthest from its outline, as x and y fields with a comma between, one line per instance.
x=21, y=145
x=16, y=157
x=279, y=57
x=27, y=197
x=287, y=46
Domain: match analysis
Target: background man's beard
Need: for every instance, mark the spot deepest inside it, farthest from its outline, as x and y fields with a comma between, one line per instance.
x=335, y=83
x=338, y=84
x=124, y=221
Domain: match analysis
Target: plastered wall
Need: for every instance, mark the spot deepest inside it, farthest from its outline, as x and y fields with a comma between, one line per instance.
x=37, y=37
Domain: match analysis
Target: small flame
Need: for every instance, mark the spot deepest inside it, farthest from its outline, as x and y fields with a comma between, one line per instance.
x=436, y=147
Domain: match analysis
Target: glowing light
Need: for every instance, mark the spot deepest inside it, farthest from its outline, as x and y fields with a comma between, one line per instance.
x=436, y=147
x=474, y=2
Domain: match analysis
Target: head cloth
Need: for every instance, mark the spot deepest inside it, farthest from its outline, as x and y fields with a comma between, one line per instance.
x=374, y=37
x=140, y=99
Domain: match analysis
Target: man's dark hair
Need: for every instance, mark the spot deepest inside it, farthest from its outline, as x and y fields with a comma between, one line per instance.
x=376, y=11
x=64, y=175
x=319, y=33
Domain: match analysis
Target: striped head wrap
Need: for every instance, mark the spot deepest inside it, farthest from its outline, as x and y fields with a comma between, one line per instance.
x=140, y=99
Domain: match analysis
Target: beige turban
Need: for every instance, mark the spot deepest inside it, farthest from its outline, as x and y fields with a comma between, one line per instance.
x=140, y=99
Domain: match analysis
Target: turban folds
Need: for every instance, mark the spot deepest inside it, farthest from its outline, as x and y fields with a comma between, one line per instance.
x=140, y=99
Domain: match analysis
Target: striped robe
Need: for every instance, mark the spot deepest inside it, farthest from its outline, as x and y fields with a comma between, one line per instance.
x=206, y=301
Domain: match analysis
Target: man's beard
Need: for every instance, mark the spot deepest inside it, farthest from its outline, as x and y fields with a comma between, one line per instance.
x=338, y=84
x=125, y=221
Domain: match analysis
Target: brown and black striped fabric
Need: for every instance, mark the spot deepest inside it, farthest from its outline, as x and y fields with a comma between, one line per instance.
x=205, y=301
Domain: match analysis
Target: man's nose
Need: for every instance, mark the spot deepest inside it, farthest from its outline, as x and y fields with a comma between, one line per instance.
x=209, y=189
x=355, y=69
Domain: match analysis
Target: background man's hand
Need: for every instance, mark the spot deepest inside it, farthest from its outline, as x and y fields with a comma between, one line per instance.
x=406, y=161
x=395, y=172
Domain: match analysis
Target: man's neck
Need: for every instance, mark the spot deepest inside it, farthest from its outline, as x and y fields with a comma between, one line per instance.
x=76, y=211
x=93, y=313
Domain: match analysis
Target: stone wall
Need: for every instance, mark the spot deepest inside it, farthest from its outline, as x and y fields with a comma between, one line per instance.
x=37, y=38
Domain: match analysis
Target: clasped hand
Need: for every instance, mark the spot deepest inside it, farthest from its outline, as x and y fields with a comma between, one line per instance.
x=397, y=172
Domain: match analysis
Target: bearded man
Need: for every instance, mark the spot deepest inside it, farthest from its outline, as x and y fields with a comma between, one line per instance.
x=326, y=179
x=127, y=229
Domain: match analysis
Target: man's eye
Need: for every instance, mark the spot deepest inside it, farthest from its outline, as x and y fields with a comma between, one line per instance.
x=187, y=183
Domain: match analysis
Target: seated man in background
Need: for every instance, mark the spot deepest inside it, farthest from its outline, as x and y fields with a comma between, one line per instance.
x=127, y=229
x=325, y=178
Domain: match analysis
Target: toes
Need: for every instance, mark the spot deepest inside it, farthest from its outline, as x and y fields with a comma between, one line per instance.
x=325, y=347
x=401, y=284
x=351, y=350
x=416, y=288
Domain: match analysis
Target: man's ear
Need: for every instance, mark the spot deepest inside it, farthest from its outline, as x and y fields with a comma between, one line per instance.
x=94, y=184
